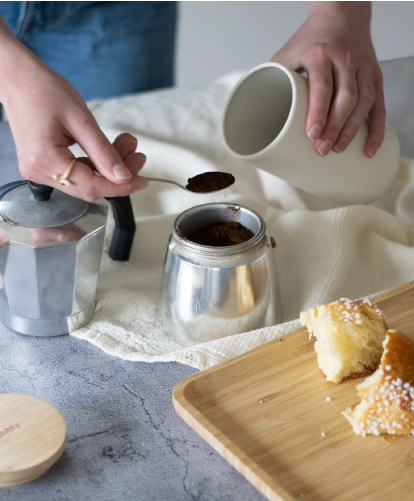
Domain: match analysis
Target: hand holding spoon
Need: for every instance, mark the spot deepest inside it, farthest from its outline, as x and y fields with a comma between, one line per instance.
x=209, y=182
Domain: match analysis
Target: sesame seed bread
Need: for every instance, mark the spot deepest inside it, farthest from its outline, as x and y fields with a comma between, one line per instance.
x=387, y=397
x=349, y=336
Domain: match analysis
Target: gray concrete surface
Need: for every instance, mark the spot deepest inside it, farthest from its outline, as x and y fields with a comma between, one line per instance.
x=125, y=440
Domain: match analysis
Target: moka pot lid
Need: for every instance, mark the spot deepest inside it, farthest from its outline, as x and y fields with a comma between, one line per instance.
x=32, y=205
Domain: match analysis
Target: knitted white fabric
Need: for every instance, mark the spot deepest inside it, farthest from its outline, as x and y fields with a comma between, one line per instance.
x=323, y=253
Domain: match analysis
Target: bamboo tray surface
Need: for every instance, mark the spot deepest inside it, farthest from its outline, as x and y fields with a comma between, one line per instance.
x=265, y=412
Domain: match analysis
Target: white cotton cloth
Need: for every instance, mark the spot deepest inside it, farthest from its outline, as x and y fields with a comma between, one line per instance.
x=323, y=252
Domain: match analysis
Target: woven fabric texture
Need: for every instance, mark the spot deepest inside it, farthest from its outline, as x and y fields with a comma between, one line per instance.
x=323, y=252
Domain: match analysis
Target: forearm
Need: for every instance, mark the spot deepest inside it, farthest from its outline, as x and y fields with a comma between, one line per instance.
x=15, y=59
x=356, y=13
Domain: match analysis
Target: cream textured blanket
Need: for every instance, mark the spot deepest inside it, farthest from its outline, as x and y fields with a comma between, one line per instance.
x=322, y=253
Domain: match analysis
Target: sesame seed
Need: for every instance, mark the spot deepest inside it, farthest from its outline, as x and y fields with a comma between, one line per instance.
x=388, y=367
x=328, y=399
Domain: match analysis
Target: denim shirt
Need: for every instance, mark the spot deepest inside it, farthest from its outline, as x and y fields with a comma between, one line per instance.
x=104, y=49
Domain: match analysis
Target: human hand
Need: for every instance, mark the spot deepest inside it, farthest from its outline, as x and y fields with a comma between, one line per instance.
x=47, y=115
x=334, y=47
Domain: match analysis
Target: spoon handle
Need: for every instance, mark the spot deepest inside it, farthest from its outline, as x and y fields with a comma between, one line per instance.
x=166, y=181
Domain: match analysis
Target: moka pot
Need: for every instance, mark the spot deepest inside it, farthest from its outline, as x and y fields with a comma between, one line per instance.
x=50, y=253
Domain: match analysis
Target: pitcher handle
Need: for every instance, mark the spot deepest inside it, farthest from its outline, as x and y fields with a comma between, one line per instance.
x=124, y=232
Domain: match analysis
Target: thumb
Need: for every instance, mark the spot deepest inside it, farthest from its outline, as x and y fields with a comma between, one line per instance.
x=101, y=152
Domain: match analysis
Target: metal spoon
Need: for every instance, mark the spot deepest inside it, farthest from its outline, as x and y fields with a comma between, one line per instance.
x=183, y=187
x=173, y=182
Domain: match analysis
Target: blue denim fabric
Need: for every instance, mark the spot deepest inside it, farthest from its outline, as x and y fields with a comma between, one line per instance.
x=104, y=49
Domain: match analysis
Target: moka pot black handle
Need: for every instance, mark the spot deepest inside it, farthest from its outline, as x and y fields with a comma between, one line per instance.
x=123, y=237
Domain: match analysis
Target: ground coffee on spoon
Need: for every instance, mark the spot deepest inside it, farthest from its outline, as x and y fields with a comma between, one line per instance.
x=210, y=181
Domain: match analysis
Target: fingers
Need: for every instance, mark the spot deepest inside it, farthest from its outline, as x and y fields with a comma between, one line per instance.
x=92, y=187
x=103, y=154
x=87, y=185
x=366, y=99
x=125, y=144
x=343, y=104
x=134, y=161
x=321, y=87
x=356, y=96
x=376, y=123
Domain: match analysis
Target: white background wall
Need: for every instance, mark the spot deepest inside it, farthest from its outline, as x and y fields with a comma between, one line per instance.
x=217, y=37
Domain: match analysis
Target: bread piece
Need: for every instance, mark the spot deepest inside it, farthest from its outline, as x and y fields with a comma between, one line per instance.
x=349, y=336
x=387, y=397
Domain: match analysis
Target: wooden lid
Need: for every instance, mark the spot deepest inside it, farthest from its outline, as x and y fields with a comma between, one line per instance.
x=32, y=438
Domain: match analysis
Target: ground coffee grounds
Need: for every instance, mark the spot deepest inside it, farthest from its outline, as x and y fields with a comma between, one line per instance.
x=210, y=181
x=222, y=234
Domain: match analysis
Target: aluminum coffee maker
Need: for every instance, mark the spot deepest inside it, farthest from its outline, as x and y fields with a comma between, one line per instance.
x=50, y=252
x=212, y=292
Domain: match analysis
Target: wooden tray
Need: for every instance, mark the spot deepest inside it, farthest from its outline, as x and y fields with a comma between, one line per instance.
x=265, y=411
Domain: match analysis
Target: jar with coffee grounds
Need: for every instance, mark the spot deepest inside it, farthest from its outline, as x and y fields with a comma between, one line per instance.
x=219, y=275
x=222, y=234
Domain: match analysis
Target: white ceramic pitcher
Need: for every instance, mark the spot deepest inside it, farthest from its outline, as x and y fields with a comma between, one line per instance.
x=264, y=124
